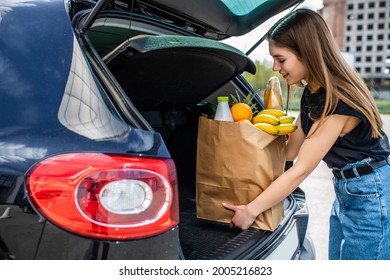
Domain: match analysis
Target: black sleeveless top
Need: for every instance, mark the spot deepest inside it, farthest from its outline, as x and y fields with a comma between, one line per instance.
x=352, y=147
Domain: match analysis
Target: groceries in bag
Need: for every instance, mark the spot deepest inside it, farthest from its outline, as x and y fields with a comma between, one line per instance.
x=235, y=163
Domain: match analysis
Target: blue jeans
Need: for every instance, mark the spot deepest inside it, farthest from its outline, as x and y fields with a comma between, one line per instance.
x=360, y=216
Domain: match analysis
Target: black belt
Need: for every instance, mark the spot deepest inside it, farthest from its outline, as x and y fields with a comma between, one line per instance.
x=361, y=170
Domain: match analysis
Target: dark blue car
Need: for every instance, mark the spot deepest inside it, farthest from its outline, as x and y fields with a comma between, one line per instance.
x=100, y=102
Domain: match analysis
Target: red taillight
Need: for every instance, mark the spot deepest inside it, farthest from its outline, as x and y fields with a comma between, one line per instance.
x=106, y=196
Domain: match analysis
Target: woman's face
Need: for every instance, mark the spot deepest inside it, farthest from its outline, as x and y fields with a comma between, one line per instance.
x=288, y=64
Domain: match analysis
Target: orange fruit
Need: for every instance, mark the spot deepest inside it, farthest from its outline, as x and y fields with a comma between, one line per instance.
x=241, y=111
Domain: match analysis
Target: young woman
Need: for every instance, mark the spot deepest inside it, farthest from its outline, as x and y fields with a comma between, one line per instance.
x=338, y=123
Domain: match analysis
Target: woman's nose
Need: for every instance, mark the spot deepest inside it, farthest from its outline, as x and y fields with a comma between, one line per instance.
x=275, y=67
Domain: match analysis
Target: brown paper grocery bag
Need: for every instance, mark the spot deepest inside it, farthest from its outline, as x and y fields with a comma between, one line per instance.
x=235, y=163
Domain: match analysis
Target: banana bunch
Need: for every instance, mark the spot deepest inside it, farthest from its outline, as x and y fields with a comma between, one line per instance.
x=274, y=122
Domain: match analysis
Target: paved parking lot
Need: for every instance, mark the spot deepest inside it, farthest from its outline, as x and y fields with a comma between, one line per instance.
x=320, y=195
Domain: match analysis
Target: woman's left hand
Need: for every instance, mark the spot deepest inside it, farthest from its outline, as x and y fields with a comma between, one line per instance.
x=242, y=218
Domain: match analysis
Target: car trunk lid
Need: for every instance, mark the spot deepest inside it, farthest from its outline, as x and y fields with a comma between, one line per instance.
x=225, y=17
x=211, y=19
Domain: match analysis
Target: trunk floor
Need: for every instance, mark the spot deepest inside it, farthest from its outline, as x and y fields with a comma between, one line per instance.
x=200, y=239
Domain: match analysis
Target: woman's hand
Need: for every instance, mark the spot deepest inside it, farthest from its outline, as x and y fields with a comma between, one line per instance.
x=243, y=218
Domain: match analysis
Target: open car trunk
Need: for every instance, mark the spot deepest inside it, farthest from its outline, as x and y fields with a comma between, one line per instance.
x=167, y=78
x=185, y=70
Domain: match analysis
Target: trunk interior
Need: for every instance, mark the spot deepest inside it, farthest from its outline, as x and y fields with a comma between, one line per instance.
x=167, y=78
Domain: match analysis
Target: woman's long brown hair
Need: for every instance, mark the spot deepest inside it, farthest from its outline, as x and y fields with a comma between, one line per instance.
x=305, y=33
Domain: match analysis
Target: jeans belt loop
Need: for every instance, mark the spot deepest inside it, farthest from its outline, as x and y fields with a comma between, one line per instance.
x=355, y=171
x=342, y=174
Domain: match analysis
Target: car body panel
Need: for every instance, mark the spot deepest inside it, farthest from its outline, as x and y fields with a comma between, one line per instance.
x=34, y=78
x=29, y=119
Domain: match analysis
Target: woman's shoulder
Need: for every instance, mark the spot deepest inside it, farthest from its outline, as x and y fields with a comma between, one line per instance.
x=343, y=108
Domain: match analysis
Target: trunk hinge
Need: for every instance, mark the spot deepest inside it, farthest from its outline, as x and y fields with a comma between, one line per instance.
x=99, y=7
